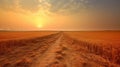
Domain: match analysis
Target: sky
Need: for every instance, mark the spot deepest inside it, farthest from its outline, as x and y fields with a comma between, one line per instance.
x=68, y=15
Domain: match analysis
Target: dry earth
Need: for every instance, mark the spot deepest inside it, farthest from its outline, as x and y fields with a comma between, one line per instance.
x=55, y=50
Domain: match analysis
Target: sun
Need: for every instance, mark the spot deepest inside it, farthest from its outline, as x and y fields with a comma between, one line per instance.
x=39, y=26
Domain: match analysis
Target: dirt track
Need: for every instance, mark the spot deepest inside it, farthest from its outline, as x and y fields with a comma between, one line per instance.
x=61, y=54
x=57, y=50
x=49, y=55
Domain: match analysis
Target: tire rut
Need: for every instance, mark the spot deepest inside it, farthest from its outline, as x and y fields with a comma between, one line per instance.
x=52, y=56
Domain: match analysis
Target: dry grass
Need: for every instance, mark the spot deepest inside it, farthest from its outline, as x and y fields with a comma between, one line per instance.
x=14, y=50
x=26, y=62
x=22, y=35
x=104, y=44
x=98, y=35
x=8, y=40
x=108, y=52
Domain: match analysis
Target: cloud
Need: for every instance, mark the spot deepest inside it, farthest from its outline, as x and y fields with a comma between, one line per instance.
x=31, y=5
x=7, y=4
x=74, y=6
x=59, y=6
x=66, y=5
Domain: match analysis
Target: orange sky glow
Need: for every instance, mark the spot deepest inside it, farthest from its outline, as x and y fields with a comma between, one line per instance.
x=43, y=15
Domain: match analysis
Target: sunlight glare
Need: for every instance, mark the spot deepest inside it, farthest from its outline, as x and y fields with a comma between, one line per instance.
x=39, y=25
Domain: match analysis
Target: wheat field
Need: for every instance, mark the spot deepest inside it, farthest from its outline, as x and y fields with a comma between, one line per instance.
x=60, y=49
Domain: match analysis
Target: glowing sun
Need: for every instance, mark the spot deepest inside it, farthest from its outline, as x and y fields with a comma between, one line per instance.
x=39, y=25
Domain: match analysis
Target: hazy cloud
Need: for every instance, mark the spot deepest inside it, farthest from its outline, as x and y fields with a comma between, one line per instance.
x=7, y=4
x=63, y=6
x=77, y=5
x=31, y=5
x=66, y=5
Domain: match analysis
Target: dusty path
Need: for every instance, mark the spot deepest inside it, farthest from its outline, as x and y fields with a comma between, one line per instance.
x=49, y=56
x=62, y=53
